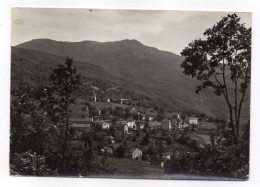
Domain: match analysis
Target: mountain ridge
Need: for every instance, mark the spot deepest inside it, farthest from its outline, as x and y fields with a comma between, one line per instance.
x=157, y=73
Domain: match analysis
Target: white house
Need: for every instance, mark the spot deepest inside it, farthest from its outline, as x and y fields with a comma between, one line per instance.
x=182, y=125
x=151, y=118
x=131, y=125
x=135, y=153
x=193, y=120
x=141, y=126
x=106, y=125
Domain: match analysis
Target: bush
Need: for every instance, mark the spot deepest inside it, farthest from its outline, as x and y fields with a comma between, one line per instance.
x=224, y=159
x=29, y=163
x=121, y=151
x=194, y=144
x=169, y=140
x=146, y=140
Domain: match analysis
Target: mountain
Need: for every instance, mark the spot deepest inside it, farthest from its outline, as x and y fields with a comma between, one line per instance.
x=146, y=70
x=34, y=67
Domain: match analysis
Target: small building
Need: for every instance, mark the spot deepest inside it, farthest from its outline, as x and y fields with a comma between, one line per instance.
x=141, y=126
x=131, y=125
x=193, y=120
x=124, y=101
x=182, y=125
x=106, y=124
x=151, y=118
x=81, y=125
x=166, y=125
x=135, y=153
x=108, y=100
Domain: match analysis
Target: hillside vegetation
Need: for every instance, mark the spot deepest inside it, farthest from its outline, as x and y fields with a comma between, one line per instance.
x=126, y=64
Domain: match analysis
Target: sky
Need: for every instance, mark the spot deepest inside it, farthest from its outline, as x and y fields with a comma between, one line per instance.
x=166, y=30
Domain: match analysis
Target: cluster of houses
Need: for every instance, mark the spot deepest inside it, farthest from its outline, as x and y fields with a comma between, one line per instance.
x=81, y=122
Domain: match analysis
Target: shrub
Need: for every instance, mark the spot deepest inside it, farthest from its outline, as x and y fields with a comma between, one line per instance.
x=121, y=151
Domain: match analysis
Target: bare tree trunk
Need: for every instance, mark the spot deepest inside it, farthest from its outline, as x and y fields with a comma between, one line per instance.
x=236, y=110
x=242, y=99
x=66, y=137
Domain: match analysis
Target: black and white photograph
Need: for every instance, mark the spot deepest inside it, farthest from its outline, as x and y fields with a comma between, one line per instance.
x=130, y=94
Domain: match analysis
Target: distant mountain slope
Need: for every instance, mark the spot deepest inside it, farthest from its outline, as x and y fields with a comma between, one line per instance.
x=31, y=67
x=34, y=67
x=147, y=70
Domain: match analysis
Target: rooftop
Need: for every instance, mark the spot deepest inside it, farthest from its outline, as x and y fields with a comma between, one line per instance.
x=80, y=119
x=81, y=125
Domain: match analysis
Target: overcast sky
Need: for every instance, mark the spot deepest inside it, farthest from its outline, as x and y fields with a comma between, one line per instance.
x=165, y=30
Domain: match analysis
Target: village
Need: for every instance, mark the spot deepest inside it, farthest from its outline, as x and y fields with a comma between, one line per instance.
x=125, y=133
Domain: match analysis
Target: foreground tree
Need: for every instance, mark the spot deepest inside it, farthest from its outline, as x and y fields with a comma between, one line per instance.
x=65, y=80
x=28, y=130
x=223, y=62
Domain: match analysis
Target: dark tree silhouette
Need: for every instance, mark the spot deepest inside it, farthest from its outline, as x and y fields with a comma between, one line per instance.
x=28, y=130
x=121, y=151
x=223, y=62
x=65, y=80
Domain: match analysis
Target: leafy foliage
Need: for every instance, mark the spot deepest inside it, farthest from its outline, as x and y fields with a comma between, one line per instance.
x=121, y=151
x=224, y=159
x=39, y=130
x=29, y=163
x=223, y=58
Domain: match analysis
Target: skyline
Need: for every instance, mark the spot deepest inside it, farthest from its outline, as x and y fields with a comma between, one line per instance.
x=168, y=30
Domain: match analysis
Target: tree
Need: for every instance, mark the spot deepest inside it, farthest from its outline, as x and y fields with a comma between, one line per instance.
x=65, y=80
x=146, y=139
x=121, y=151
x=160, y=115
x=29, y=163
x=29, y=125
x=222, y=61
x=225, y=159
x=169, y=140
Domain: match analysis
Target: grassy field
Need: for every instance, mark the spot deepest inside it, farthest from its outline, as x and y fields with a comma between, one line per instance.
x=207, y=125
x=130, y=167
x=201, y=138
